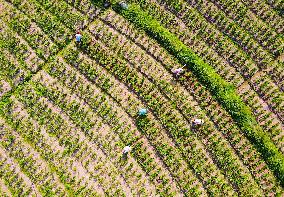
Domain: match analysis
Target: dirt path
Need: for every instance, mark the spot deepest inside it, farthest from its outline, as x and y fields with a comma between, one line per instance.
x=14, y=165
x=106, y=136
x=53, y=144
x=111, y=173
x=3, y=187
x=42, y=168
x=114, y=21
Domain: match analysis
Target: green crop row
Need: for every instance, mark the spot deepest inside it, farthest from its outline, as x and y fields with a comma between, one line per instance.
x=109, y=115
x=12, y=179
x=222, y=90
x=15, y=148
x=27, y=129
x=28, y=30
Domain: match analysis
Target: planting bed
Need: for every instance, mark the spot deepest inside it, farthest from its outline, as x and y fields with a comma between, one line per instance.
x=68, y=109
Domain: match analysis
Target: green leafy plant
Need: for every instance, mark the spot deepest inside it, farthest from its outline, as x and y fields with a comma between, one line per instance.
x=222, y=90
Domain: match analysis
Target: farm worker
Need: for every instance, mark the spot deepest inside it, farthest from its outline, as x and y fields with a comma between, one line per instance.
x=198, y=122
x=78, y=37
x=142, y=112
x=178, y=71
x=123, y=5
x=106, y=4
x=126, y=150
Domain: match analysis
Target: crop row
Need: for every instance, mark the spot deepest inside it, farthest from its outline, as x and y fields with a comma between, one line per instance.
x=263, y=32
x=18, y=60
x=48, y=23
x=246, y=151
x=28, y=30
x=153, y=72
x=176, y=93
x=190, y=25
x=71, y=55
x=92, y=73
x=50, y=150
x=115, y=22
x=234, y=55
x=4, y=87
x=141, y=40
x=65, y=164
x=190, y=147
x=13, y=178
x=133, y=54
x=70, y=82
x=30, y=163
x=219, y=116
x=14, y=45
x=12, y=72
x=205, y=51
x=86, y=7
x=158, y=94
x=223, y=91
x=267, y=14
x=107, y=111
x=159, y=100
x=69, y=16
x=276, y=92
x=263, y=49
x=77, y=146
x=264, y=116
x=44, y=21
x=4, y=189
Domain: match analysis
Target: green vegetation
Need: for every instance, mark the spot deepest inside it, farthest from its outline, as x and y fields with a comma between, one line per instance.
x=222, y=90
x=68, y=109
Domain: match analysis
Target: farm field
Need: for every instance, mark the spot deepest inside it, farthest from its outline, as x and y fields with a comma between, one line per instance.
x=68, y=109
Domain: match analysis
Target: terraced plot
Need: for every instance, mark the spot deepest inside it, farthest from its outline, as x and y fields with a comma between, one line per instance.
x=68, y=109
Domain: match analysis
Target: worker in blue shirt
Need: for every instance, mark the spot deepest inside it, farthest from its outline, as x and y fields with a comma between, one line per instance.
x=78, y=37
x=142, y=112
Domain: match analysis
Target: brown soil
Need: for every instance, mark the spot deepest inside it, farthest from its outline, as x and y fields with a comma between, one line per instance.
x=1, y=8
x=4, y=87
x=17, y=170
x=281, y=57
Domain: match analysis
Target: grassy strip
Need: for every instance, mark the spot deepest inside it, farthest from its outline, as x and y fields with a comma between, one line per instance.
x=221, y=89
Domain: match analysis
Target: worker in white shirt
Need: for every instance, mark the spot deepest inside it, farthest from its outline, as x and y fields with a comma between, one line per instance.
x=126, y=150
x=177, y=72
x=198, y=122
x=106, y=4
x=123, y=5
